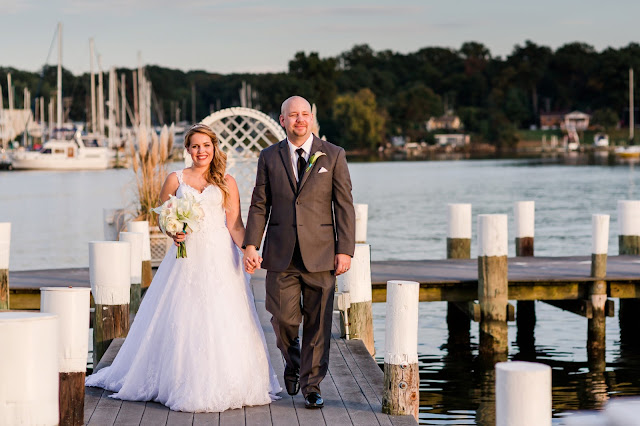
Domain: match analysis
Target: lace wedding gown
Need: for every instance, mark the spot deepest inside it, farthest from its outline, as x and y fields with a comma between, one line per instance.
x=196, y=343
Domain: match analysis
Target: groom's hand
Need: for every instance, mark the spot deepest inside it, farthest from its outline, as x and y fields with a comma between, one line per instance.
x=342, y=263
x=252, y=259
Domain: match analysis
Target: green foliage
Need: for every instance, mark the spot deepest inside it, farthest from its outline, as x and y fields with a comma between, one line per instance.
x=606, y=118
x=493, y=96
x=358, y=121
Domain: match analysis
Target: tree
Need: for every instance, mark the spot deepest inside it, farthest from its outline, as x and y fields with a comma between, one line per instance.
x=605, y=117
x=358, y=121
x=412, y=108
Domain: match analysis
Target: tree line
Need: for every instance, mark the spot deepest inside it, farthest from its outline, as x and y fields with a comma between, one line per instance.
x=366, y=97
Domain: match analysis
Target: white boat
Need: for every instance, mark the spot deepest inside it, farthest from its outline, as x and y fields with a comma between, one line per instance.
x=63, y=154
x=601, y=140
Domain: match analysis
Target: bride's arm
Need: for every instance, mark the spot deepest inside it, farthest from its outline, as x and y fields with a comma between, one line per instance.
x=170, y=187
x=234, y=220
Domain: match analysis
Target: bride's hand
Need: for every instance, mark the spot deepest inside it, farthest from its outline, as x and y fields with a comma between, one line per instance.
x=178, y=237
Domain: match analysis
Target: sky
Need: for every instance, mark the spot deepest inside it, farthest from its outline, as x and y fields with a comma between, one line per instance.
x=263, y=36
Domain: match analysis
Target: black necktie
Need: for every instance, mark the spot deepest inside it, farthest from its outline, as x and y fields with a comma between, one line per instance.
x=302, y=163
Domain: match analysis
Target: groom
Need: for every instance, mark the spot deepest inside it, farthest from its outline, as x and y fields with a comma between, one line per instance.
x=303, y=197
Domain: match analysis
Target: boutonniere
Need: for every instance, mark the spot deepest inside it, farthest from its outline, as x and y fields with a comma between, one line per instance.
x=313, y=159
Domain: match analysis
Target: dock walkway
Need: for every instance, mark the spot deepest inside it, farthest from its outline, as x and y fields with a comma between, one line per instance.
x=352, y=391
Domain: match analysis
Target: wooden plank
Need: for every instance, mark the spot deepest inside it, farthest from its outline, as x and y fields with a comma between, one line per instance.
x=91, y=399
x=130, y=413
x=154, y=414
x=110, y=354
x=334, y=411
x=257, y=415
x=365, y=387
x=178, y=418
x=359, y=409
x=232, y=417
x=206, y=419
x=106, y=411
x=306, y=416
x=24, y=300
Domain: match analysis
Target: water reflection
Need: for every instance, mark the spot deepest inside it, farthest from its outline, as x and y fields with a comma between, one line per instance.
x=457, y=387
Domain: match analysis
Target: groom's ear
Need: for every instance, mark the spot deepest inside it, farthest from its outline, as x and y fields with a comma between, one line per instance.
x=281, y=120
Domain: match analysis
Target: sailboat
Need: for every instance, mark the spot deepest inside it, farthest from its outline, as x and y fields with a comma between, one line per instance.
x=633, y=151
x=60, y=153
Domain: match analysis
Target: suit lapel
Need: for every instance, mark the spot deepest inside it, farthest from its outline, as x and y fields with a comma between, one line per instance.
x=315, y=147
x=286, y=160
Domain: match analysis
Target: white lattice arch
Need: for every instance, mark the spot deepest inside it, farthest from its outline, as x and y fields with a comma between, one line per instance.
x=244, y=132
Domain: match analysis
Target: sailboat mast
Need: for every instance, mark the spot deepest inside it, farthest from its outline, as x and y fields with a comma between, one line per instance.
x=59, y=97
x=631, y=111
x=94, y=124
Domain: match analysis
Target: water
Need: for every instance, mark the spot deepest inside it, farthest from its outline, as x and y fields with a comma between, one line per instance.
x=54, y=214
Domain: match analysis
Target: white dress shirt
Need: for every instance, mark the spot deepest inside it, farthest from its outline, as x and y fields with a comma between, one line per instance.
x=306, y=146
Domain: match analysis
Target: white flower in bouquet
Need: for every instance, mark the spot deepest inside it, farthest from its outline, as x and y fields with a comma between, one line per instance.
x=180, y=214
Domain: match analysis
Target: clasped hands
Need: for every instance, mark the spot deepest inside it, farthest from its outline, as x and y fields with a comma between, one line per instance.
x=178, y=237
x=253, y=261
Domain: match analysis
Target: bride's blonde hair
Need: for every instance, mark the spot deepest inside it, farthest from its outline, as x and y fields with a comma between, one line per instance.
x=217, y=168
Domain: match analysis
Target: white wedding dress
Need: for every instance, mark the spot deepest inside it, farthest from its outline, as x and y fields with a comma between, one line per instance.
x=196, y=343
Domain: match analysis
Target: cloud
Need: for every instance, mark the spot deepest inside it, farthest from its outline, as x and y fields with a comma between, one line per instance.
x=259, y=13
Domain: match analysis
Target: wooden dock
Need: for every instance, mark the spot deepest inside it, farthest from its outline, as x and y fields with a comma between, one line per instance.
x=453, y=280
x=352, y=391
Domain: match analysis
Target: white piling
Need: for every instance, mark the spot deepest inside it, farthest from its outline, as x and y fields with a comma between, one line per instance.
x=362, y=218
x=110, y=277
x=458, y=247
x=629, y=244
x=357, y=282
x=28, y=369
x=71, y=305
x=401, y=379
x=493, y=283
x=142, y=226
x=135, y=239
x=5, y=244
x=629, y=227
x=523, y=394
x=524, y=213
x=596, y=325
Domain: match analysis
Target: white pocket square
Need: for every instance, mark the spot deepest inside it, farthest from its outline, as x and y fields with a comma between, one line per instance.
x=322, y=170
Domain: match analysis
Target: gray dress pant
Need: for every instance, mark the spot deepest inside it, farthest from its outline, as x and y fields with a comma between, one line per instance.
x=293, y=296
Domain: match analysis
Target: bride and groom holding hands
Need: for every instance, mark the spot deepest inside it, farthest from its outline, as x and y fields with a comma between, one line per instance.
x=196, y=343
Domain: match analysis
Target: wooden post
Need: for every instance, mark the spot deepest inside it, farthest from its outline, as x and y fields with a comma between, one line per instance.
x=110, y=276
x=357, y=281
x=362, y=217
x=523, y=394
x=629, y=244
x=135, y=239
x=71, y=305
x=458, y=247
x=596, y=328
x=492, y=283
x=113, y=223
x=147, y=275
x=401, y=379
x=5, y=243
x=524, y=213
x=29, y=368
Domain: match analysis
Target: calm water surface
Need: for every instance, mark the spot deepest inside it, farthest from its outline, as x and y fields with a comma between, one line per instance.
x=54, y=214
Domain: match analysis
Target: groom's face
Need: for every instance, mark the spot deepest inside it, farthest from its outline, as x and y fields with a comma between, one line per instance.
x=297, y=119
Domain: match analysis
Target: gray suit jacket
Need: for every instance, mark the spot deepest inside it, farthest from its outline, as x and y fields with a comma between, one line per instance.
x=320, y=212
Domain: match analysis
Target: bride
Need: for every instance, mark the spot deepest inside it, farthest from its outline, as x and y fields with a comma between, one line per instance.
x=196, y=343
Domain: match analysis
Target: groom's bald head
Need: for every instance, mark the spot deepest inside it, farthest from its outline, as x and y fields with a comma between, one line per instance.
x=293, y=99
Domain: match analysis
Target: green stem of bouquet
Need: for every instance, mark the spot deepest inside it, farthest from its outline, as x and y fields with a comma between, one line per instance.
x=181, y=252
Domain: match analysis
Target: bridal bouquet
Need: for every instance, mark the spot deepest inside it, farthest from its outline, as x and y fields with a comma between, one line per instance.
x=180, y=214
